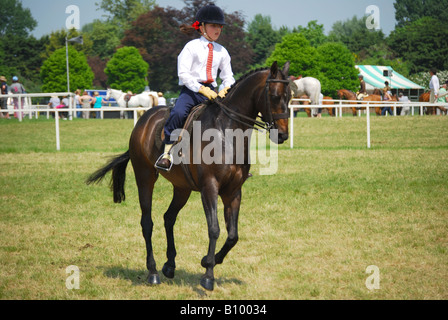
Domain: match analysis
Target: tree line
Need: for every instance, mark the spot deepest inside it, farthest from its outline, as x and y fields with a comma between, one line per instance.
x=138, y=43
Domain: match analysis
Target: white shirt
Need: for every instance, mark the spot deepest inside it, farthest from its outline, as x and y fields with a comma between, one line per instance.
x=434, y=84
x=192, y=64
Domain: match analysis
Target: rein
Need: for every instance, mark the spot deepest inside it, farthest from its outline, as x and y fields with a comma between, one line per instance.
x=257, y=125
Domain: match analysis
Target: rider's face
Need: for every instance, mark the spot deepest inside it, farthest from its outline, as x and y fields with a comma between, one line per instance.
x=211, y=31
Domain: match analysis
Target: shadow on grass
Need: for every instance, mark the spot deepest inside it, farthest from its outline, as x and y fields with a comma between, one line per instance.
x=182, y=278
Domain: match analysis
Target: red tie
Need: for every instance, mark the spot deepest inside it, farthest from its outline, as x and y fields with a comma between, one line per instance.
x=210, y=63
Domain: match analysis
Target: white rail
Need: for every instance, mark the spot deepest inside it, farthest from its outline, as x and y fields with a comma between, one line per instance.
x=338, y=105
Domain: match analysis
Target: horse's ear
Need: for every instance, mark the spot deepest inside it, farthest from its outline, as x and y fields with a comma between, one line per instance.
x=286, y=68
x=274, y=69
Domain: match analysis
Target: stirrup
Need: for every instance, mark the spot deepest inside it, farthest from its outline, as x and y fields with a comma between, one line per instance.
x=161, y=168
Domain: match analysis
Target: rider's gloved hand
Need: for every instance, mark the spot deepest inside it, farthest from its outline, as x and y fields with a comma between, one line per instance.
x=223, y=92
x=208, y=93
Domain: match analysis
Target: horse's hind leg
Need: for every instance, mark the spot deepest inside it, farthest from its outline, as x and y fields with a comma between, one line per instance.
x=231, y=211
x=146, y=179
x=180, y=198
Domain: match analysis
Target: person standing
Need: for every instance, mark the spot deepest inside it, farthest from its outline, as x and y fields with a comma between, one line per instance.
x=434, y=86
x=17, y=88
x=78, y=103
x=97, y=103
x=197, y=67
x=85, y=100
x=4, y=101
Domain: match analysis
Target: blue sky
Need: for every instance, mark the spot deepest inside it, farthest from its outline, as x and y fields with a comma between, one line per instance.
x=51, y=14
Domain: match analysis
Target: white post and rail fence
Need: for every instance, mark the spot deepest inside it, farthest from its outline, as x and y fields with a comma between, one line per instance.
x=338, y=105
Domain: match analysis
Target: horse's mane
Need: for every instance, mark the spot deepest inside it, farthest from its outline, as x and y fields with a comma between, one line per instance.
x=232, y=88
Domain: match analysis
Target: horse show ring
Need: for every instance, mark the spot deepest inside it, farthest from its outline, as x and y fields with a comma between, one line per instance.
x=310, y=231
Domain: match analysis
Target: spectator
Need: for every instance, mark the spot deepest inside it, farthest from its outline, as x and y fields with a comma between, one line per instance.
x=97, y=103
x=442, y=96
x=406, y=109
x=386, y=97
x=78, y=103
x=54, y=103
x=4, y=101
x=85, y=100
x=17, y=88
x=434, y=86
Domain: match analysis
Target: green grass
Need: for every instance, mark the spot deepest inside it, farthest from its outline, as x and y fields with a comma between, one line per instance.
x=309, y=232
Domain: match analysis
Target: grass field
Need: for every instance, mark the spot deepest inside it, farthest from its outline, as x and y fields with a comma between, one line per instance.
x=309, y=232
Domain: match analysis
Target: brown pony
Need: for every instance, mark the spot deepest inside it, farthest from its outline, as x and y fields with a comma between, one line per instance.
x=351, y=96
x=263, y=91
x=425, y=97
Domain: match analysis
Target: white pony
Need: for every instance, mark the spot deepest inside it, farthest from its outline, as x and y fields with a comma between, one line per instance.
x=147, y=99
x=307, y=86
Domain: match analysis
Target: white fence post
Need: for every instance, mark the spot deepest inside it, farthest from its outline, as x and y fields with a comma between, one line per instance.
x=368, y=127
x=291, y=126
x=58, y=140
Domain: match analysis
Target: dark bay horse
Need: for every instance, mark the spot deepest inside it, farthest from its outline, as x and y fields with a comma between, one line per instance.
x=264, y=92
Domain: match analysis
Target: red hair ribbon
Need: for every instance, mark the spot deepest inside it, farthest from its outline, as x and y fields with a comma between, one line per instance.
x=196, y=25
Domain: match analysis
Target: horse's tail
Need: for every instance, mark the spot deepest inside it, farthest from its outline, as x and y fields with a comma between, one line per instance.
x=118, y=166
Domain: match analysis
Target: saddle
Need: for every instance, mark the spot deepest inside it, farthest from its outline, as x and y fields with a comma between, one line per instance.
x=128, y=97
x=194, y=114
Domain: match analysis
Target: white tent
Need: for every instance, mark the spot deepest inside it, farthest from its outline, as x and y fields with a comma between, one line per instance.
x=375, y=76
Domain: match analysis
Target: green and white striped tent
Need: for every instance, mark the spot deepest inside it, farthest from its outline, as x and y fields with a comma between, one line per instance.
x=374, y=76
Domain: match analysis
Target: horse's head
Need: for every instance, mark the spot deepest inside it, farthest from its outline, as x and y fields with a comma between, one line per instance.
x=277, y=97
x=341, y=94
x=108, y=94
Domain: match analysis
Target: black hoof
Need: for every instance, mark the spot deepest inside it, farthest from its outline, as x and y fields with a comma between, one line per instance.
x=207, y=284
x=168, y=271
x=153, y=279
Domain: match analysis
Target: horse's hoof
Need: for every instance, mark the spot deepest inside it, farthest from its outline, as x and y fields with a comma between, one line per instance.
x=207, y=284
x=168, y=271
x=153, y=279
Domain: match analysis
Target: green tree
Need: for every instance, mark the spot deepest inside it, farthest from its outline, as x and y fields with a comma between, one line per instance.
x=422, y=43
x=313, y=32
x=336, y=68
x=262, y=38
x=127, y=71
x=123, y=12
x=21, y=56
x=54, y=71
x=14, y=19
x=105, y=37
x=354, y=34
x=296, y=49
x=412, y=10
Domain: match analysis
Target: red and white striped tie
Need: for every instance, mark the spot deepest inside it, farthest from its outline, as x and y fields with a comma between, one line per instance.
x=210, y=63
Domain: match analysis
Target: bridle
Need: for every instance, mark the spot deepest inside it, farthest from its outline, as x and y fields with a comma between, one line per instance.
x=266, y=124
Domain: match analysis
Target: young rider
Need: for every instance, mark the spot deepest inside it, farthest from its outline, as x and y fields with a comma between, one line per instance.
x=197, y=67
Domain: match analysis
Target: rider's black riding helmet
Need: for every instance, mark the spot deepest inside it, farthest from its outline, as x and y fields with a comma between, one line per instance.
x=210, y=14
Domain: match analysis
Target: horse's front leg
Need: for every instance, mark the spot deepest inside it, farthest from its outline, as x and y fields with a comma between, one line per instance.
x=209, y=197
x=180, y=198
x=231, y=210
